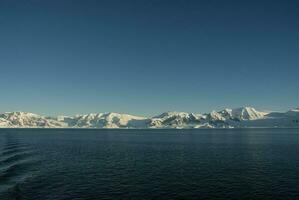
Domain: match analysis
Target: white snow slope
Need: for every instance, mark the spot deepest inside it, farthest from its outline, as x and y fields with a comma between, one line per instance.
x=244, y=117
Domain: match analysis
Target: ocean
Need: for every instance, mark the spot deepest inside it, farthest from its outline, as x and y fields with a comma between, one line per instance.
x=92, y=164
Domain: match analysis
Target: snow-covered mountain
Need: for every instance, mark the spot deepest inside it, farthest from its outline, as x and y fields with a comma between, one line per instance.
x=104, y=120
x=243, y=113
x=228, y=118
x=175, y=120
x=27, y=120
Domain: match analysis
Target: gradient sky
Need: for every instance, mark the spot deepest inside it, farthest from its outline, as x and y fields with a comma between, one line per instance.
x=148, y=56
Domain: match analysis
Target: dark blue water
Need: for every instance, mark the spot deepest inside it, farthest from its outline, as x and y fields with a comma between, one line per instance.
x=44, y=164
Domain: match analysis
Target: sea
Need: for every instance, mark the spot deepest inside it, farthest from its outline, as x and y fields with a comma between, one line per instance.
x=151, y=164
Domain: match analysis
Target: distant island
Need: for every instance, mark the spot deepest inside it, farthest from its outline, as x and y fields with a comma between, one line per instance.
x=244, y=117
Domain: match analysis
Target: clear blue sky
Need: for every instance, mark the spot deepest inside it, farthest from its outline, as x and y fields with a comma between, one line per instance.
x=148, y=56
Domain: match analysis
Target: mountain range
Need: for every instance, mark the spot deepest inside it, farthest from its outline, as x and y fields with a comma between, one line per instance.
x=244, y=117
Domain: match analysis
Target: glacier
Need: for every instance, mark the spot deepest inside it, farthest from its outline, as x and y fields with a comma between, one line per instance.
x=244, y=117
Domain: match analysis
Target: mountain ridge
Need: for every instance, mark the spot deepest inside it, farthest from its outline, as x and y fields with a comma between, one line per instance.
x=243, y=117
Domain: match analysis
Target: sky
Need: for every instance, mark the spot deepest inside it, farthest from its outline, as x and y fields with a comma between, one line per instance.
x=145, y=57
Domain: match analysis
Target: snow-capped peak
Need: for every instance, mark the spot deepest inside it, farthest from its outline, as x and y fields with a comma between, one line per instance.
x=247, y=113
x=215, y=116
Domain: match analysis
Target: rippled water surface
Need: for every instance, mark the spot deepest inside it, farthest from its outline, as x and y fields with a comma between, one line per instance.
x=56, y=164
